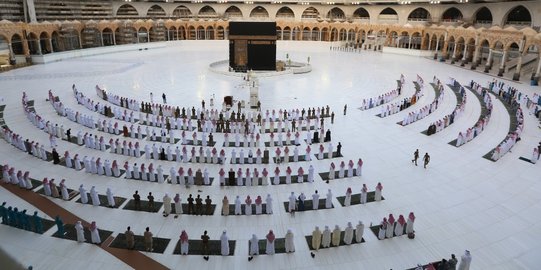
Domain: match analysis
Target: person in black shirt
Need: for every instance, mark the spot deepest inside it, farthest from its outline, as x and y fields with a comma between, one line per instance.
x=150, y=201
x=190, y=204
x=137, y=200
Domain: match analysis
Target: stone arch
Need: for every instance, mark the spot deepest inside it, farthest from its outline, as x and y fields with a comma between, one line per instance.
x=285, y=12
x=388, y=14
x=361, y=13
x=33, y=43
x=518, y=15
x=334, y=34
x=325, y=34
x=142, y=35
x=286, y=33
x=182, y=33
x=336, y=13
x=209, y=33
x=155, y=11
x=172, y=33
x=200, y=35
x=182, y=12
x=306, y=33
x=192, y=33
x=127, y=11
x=259, y=12
x=279, y=33
x=342, y=36
x=451, y=14
x=17, y=44
x=295, y=33
x=310, y=13
x=419, y=14
x=315, y=34
x=233, y=12
x=207, y=12
x=482, y=16
x=108, y=36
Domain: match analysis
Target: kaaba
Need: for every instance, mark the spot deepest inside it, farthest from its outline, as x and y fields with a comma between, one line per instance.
x=252, y=46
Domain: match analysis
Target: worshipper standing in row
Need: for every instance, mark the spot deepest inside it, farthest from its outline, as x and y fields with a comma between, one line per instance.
x=205, y=245
x=137, y=200
x=130, y=238
x=289, y=244
x=164, y=98
x=94, y=233
x=80, y=232
x=148, y=240
x=224, y=240
x=254, y=247
x=270, y=243
x=184, y=243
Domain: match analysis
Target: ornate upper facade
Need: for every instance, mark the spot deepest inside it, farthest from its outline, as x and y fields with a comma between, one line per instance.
x=470, y=33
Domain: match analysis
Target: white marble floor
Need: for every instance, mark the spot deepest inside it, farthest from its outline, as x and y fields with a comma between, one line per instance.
x=462, y=201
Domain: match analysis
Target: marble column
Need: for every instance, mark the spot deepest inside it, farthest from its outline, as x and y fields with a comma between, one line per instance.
x=516, y=76
x=502, y=64
x=464, y=54
x=489, y=61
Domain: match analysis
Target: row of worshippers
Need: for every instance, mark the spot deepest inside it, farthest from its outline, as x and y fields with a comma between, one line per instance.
x=11, y=216
x=195, y=205
x=364, y=194
x=282, y=156
x=511, y=95
x=450, y=264
x=471, y=133
x=326, y=238
x=385, y=97
x=425, y=110
x=92, y=228
x=73, y=115
x=94, y=196
x=389, y=228
x=247, y=205
x=171, y=111
x=92, y=165
x=398, y=106
x=209, y=155
x=254, y=140
x=19, y=142
x=149, y=173
x=511, y=138
x=298, y=203
x=450, y=118
x=91, y=104
x=251, y=177
x=148, y=240
x=16, y=177
x=349, y=172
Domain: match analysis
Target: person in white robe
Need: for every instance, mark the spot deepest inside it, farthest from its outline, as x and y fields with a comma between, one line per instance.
x=379, y=188
x=94, y=233
x=254, y=245
x=184, y=245
x=178, y=205
x=248, y=206
x=80, y=232
x=268, y=200
x=94, y=196
x=535, y=156
x=465, y=261
x=64, y=190
x=328, y=199
x=316, y=238
x=289, y=243
x=389, y=233
x=84, y=195
x=270, y=243
x=292, y=202
x=326, y=239
x=336, y=235
x=238, y=210
x=110, y=198
x=224, y=239
x=399, y=228
x=348, y=234
x=364, y=194
x=382, y=228
x=409, y=225
x=311, y=174
x=359, y=231
x=166, y=205
x=315, y=201
x=347, y=200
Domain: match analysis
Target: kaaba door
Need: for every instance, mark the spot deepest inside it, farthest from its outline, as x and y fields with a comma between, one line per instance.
x=241, y=52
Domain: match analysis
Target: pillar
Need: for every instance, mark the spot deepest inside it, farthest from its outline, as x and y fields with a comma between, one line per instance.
x=409, y=42
x=475, y=57
x=538, y=71
x=114, y=38
x=516, y=76
x=282, y=34
x=11, y=55
x=453, y=58
x=436, y=50
x=101, y=38
x=148, y=36
x=489, y=61
x=502, y=64
x=444, y=51
x=464, y=54
x=50, y=40
x=38, y=41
